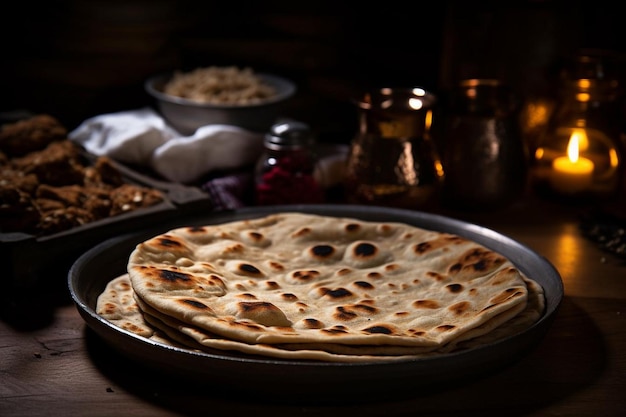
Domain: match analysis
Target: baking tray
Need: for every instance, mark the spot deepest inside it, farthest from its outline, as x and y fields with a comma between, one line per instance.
x=306, y=380
x=41, y=263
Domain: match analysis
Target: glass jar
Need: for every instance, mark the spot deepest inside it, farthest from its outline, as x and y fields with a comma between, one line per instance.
x=286, y=168
x=393, y=160
x=580, y=155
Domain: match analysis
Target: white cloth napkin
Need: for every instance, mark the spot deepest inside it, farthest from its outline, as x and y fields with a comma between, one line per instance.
x=143, y=137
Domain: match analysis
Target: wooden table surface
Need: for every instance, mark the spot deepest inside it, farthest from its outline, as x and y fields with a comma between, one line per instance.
x=52, y=364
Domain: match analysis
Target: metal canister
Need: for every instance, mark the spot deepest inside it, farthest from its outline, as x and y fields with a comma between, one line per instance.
x=484, y=157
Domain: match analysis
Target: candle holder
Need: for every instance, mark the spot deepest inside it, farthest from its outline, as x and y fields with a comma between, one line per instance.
x=580, y=156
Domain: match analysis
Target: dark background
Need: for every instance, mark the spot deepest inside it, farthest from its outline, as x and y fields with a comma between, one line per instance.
x=77, y=59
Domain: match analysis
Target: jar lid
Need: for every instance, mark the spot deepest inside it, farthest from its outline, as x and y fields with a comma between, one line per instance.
x=289, y=134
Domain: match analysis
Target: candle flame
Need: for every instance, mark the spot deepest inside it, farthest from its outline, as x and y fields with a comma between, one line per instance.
x=574, y=145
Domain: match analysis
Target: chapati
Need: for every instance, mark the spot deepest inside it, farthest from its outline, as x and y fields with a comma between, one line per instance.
x=296, y=285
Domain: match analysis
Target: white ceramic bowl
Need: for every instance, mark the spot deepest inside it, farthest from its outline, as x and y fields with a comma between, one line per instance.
x=186, y=115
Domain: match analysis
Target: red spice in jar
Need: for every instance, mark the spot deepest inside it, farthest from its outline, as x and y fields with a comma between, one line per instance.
x=285, y=172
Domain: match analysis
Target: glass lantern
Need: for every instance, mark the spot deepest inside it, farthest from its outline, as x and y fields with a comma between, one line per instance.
x=579, y=155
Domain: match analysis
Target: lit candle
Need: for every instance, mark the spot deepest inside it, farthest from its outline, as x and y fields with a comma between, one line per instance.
x=572, y=173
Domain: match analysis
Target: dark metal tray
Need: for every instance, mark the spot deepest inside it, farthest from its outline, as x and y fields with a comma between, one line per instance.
x=306, y=380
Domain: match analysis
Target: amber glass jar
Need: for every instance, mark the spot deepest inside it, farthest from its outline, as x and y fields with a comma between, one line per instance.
x=393, y=160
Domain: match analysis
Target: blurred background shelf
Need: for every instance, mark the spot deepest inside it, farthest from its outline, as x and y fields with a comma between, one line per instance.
x=78, y=59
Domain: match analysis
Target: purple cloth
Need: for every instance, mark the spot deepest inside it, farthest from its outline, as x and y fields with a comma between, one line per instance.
x=231, y=191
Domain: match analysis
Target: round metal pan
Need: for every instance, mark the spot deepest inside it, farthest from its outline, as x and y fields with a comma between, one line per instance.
x=305, y=379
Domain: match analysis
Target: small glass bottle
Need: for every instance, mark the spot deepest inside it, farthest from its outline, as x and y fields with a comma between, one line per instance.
x=285, y=173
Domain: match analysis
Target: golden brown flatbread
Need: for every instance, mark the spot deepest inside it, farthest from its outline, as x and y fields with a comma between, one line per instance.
x=117, y=305
x=295, y=282
x=203, y=340
x=170, y=331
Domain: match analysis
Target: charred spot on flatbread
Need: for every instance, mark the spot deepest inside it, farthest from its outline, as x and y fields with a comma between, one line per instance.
x=322, y=251
x=249, y=270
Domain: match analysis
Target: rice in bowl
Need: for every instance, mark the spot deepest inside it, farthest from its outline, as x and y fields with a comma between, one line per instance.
x=220, y=95
x=220, y=85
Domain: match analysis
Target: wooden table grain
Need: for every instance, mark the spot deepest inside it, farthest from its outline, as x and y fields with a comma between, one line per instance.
x=55, y=365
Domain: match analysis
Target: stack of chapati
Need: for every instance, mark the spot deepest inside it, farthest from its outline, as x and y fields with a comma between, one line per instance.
x=303, y=286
